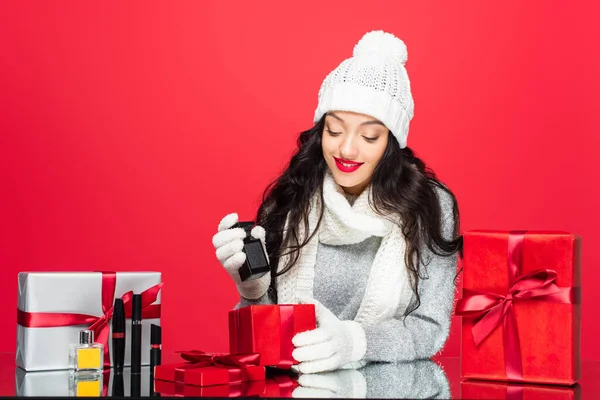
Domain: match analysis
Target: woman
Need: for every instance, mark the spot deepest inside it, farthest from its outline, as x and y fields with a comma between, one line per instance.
x=357, y=224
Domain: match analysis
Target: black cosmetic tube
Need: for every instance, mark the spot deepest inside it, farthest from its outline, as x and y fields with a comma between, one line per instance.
x=136, y=334
x=118, y=335
x=155, y=347
x=118, y=387
x=152, y=392
x=135, y=389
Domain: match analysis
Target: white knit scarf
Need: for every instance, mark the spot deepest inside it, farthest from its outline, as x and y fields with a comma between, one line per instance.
x=388, y=291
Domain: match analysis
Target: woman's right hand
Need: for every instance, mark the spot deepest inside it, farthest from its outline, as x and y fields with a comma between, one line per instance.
x=228, y=243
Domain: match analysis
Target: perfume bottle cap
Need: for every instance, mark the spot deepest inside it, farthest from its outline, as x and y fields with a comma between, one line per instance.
x=86, y=337
x=247, y=226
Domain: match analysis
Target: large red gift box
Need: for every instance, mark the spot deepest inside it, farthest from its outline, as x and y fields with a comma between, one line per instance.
x=521, y=306
x=205, y=369
x=513, y=391
x=268, y=330
x=178, y=389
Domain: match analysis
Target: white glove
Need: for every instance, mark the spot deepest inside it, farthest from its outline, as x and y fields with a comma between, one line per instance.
x=347, y=383
x=331, y=346
x=229, y=243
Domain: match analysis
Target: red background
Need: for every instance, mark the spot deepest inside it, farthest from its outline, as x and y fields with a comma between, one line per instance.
x=127, y=130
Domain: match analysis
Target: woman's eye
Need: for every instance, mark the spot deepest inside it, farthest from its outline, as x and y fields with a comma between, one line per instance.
x=370, y=140
x=332, y=133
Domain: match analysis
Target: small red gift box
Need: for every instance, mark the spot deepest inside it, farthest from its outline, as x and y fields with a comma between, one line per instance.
x=520, y=306
x=178, y=389
x=204, y=369
x=513, y=391
x=268, y=330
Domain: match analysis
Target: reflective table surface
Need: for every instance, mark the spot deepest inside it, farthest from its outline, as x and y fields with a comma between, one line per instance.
x=438, y=379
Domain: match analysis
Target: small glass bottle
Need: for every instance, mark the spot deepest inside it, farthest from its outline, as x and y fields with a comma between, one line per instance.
x=86, y=356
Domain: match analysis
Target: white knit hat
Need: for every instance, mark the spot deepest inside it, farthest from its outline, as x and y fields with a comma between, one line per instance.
x=372, y=82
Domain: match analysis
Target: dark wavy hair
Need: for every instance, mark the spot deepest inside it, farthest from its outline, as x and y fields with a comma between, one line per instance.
x=402, y=185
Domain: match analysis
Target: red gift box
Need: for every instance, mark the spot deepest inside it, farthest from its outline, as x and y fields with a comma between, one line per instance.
x=280, y=386
x=496, y=390
x=268, y=330
x=204, y=369
x=520, y=306
x=178, y=389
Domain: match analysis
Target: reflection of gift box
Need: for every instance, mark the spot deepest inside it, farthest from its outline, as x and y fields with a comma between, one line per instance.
x=205, y=369
x=268, y=330
x=520, y=306
x=54, y=306
x=178, y=389
x=497, y=390
x=61, y=383
x=280, y=386
x=41, y=383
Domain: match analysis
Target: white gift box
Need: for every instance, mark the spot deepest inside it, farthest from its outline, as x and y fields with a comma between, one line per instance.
x=58, y=383
x=47, y=348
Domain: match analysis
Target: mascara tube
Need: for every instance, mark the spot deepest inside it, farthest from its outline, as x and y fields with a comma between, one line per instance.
x=118, y=335
x=136, y=334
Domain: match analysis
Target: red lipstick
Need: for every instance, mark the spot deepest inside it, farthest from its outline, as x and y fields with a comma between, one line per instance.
x=346, y=165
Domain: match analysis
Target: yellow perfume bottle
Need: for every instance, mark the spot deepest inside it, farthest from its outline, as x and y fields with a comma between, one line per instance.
x=85, y=385
x=86, y=356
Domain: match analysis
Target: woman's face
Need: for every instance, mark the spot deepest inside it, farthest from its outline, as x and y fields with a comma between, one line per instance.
x=352, y=145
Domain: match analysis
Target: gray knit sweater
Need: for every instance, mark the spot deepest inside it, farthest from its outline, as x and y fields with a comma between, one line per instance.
x=341, y=274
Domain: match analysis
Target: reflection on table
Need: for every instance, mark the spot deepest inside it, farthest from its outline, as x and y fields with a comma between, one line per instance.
x=66, y=383
x=422, y=379
x=416, y=380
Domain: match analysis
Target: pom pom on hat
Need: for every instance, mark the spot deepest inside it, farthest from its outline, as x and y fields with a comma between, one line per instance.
x=383, y=44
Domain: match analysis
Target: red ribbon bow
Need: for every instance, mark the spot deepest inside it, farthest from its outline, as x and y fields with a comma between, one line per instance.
x=201, y=358
x=491, y=309
x=97, y=324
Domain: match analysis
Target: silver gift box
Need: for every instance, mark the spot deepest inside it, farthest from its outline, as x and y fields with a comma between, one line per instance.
x=47, y=348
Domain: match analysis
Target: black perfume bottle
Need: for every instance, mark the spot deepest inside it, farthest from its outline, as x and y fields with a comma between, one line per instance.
x=256, y=264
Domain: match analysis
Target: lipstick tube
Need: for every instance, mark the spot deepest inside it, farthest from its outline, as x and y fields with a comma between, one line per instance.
x=155, y=347
x=136, y=334
x=118, y=335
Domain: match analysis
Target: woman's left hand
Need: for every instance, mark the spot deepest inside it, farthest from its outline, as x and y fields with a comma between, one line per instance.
x=332, y=345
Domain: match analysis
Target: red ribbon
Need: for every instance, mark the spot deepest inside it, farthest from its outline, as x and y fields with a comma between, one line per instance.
x=514, y=393
x=97, y=324
x=233, y=362
x=492, y=309
x=105, y=382
x=286, y=314
x=202, y=358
